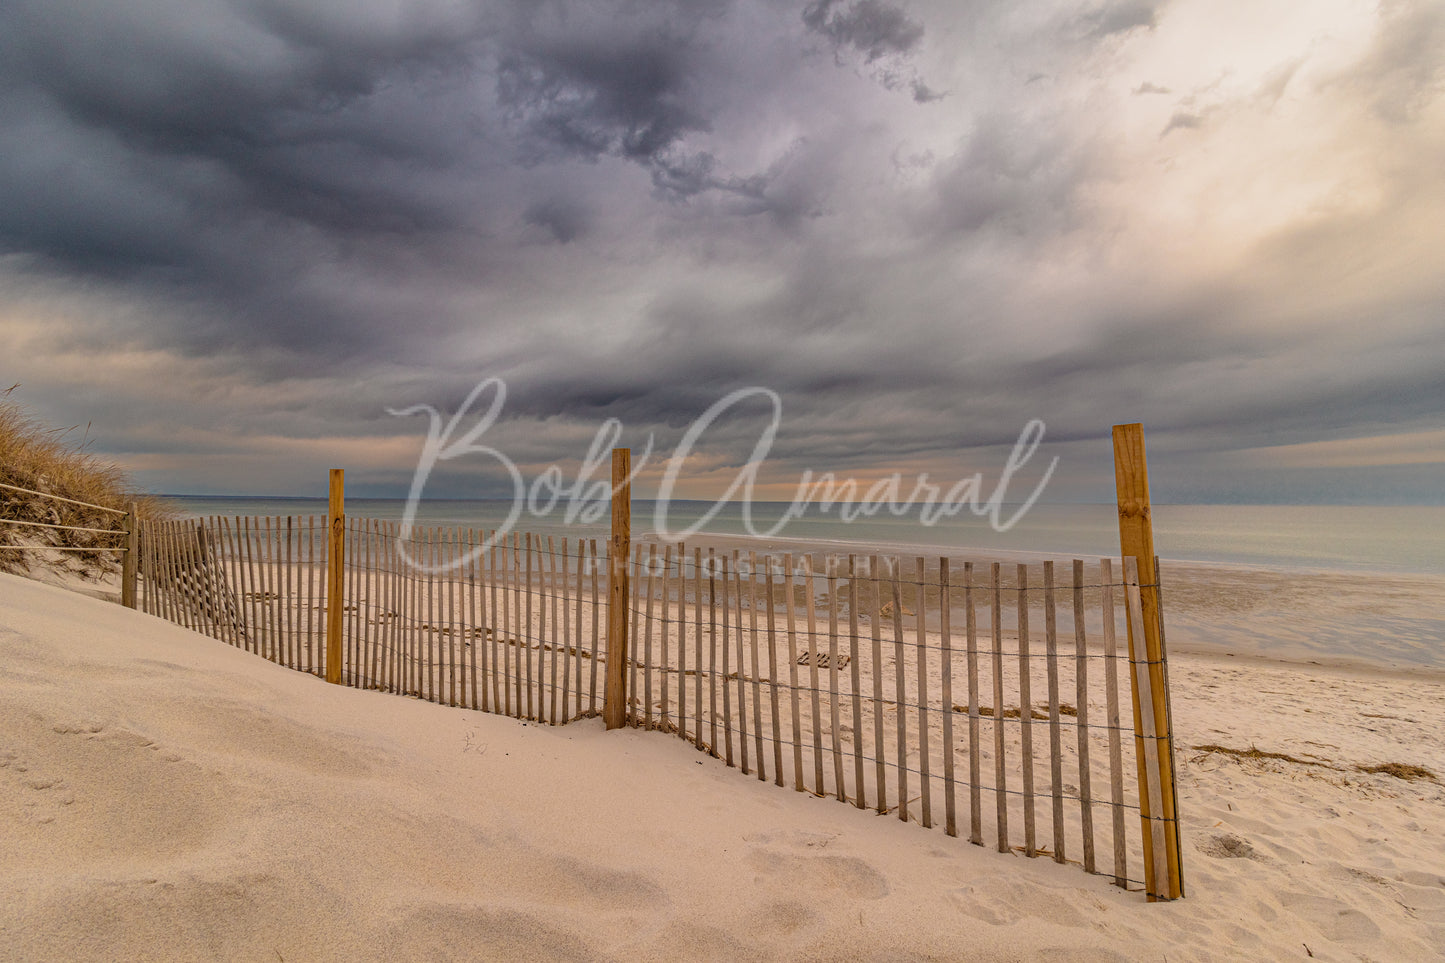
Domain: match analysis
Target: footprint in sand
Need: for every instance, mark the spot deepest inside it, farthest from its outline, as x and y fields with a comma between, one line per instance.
x=1335, y=920
x=1226, y=846
x=85, y=791
x=793, y=855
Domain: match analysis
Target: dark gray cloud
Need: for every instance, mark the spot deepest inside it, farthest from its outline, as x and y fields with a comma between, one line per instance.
x=272, y=220
x=1182, y=120
x=591, y=100
x=565, y=220
x=872, y=27
x=1121, y=16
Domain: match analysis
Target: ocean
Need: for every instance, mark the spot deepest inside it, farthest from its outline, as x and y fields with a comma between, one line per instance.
x=1300, y=583
x=1310, y=538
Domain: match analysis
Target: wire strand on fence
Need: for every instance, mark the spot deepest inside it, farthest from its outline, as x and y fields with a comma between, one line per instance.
x=61, y=498
x=67, y=528
x=62, y=548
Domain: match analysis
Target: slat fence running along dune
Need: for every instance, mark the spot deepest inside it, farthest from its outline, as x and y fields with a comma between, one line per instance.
x=455, y=616
x=990, y=701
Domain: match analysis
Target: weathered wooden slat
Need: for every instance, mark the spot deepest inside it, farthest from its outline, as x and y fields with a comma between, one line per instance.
x=159, y=577
x=186, y=566
x=647, y=638
x=840, y=788
x=160, y=534
x=144, y=587
x=552, y=597
x=770, y=608
x=596, y=623
x=855, y=663
x=221, y=581
x=261, y=587
x=373, y=605
x=975, y=767
x=742, y=665
x=546, y=621
x=276, y=587
x=450, y=621
x=1000, y=773
x=634, y=637
x=456, y=620
x=1081, y=718
x=406, y=622
x=1147, y=740
x=757, y=664
x=208, y=554
x=945, y=682
x=562, y=630
x=900, y=689
x=697, y=665
x=358, y=597
x=924, y=777
x=406, y=604
x=182, y=560
x=880, y=750
x=436, y=666
x=306, y=585
x=386, y=621
x=1116, y=756
x=169, y=542
x=196, y=547
x=577, y=623
x=790, y=606
x=399, y=614
x=682, y=641
x=512, y=560
x=255, y=586
x=711, y=653
x=1056, y=751
x=1026, y=714
x=200, y=564
x=282, y=567
x=525, y=637
x=812, y=604
x=664, y=656
x=286, y=590
x=496, y=623
x=730, y=719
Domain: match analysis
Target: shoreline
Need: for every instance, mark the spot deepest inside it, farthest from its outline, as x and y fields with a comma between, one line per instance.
x=1303, y=543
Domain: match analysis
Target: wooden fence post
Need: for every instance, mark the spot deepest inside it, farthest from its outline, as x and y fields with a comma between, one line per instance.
x=614, y=698
x=335, y=569
x=1136, y=539
x=130, y=561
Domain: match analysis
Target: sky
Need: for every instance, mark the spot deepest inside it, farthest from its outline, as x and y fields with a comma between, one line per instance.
x=237, y=236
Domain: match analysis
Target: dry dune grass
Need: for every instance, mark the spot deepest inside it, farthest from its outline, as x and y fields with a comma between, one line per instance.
x=1400, y=770
x=53, y=460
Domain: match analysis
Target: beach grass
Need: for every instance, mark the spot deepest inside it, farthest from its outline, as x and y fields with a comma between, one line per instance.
x=56, y=461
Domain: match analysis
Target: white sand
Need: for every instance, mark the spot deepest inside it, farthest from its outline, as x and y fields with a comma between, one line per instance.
x=164, y=796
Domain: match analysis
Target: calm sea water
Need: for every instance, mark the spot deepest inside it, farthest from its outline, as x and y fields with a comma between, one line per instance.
x=1396, y=540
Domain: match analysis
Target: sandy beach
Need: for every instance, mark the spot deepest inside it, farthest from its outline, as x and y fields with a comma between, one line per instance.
x=167, y=796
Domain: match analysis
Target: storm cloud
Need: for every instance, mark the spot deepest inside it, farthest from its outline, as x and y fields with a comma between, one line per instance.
x=233, y=233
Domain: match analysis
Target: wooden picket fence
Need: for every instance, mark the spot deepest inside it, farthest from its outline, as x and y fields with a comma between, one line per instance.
x=986, y=699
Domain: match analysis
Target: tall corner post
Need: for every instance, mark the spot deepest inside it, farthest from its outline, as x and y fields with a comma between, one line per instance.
x=129, y=565
x=1136, y=540
x=614, y=696
x=335, y=568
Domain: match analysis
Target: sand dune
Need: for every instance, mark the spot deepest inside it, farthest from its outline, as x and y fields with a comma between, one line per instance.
x=164, y=796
